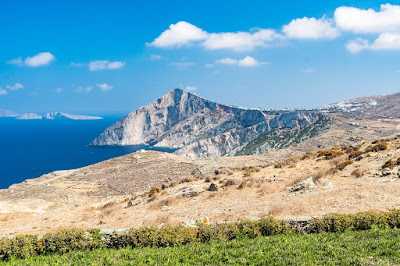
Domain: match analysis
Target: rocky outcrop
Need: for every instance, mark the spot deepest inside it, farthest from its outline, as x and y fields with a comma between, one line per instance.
x=198, y=127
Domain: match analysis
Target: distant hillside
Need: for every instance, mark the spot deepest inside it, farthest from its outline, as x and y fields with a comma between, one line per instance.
x=201, y=128
x=373, y=107
x=48, y=116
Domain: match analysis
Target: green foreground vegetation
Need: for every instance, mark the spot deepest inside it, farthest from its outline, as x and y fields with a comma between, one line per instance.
x=360, y=238
x=375, y=246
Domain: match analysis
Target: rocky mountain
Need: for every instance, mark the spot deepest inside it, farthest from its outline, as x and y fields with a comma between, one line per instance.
x=7, y=113
x=373, y=107
x=29, y=116
x=201, y=128
x=59, y=115
x=48, y=116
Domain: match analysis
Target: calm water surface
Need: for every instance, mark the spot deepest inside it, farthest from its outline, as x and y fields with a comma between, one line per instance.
x=31, y=148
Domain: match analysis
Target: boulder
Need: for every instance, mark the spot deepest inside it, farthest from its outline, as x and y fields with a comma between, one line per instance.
x=213, y=187
x=302, y=186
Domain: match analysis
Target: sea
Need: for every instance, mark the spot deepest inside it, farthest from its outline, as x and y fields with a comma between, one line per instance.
x=31, y=148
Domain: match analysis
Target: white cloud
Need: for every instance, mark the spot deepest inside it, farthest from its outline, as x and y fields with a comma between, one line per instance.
x=248, y=61
x=15, y=87
x=59, y=90
x=184, y=33
x=17, y=61
x=311, y=28
x=41, y=59
x=240, y=41
x=3, y=92
x=385, y=41
x=105, y=64
x=368, y=20
x=308, y=70
x=87, y=89
x=190, y=88
x=208, y=65
x=179, y=34
x=105, y=87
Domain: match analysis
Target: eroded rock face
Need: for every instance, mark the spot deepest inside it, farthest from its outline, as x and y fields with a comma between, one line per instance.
x=198, y=127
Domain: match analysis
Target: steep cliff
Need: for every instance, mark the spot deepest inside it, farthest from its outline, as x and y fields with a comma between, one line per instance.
x=198, y=127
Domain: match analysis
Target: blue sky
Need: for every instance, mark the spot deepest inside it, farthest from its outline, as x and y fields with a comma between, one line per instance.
x=99, y=57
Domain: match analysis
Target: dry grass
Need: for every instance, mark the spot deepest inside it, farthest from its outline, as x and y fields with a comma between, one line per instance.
x=249, y=182
x=154, y=191
x=159, y=219
x=330, y=154
x=295, y=181
x=359, y=172
x=355, y=154
x=223, y=171
x=342, y=165
x=275, y=210
x=377, y=147
x=189, y=179
x=230, y=182
x=171, y=201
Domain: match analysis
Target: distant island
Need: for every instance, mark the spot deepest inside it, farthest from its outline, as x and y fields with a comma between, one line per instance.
x=48, y=116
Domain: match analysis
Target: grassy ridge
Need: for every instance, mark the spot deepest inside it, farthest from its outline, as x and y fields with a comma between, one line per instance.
x=370, y=247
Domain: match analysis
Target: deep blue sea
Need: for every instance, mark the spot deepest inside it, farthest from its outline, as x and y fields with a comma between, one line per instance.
x=31, y=148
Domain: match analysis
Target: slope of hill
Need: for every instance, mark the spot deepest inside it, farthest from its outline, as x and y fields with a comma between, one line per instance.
x=373, y=107
x=151, y=188
x=199, y=127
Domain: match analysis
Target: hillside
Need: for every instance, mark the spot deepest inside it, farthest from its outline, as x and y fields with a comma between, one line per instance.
x=151, y=188
x=373, y=107
x=199, y=127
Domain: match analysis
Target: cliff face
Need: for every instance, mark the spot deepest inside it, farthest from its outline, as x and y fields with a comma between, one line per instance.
x=198, y=127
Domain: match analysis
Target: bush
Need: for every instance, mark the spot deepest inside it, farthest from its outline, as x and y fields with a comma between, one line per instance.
x=65, y=241
x=358, y=172
x=377, y=147
x=355, y=154
x=342, y=165
x=329, y=154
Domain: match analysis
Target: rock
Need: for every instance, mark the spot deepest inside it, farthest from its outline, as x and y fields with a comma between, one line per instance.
x=166, y=208
x=205, y=220
x=386, y=172
x=213, y=187
x=200, y=128
x=325, y=183
x=302, y=186
x=189, y=223
x=130, y=204
x=191, y=191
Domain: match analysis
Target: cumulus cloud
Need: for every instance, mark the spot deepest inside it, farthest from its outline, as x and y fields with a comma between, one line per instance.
x=385, y=41
x=179, y=34
x=184, y=33
x=311, y=28
x=87, y=89
x=59, y=90
x=240, y=41
x=105, y=87
x=3, y=92
x=105, y=64
x=15, y=87
x=248, y=61
x=368, y=20
x=41, y=59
